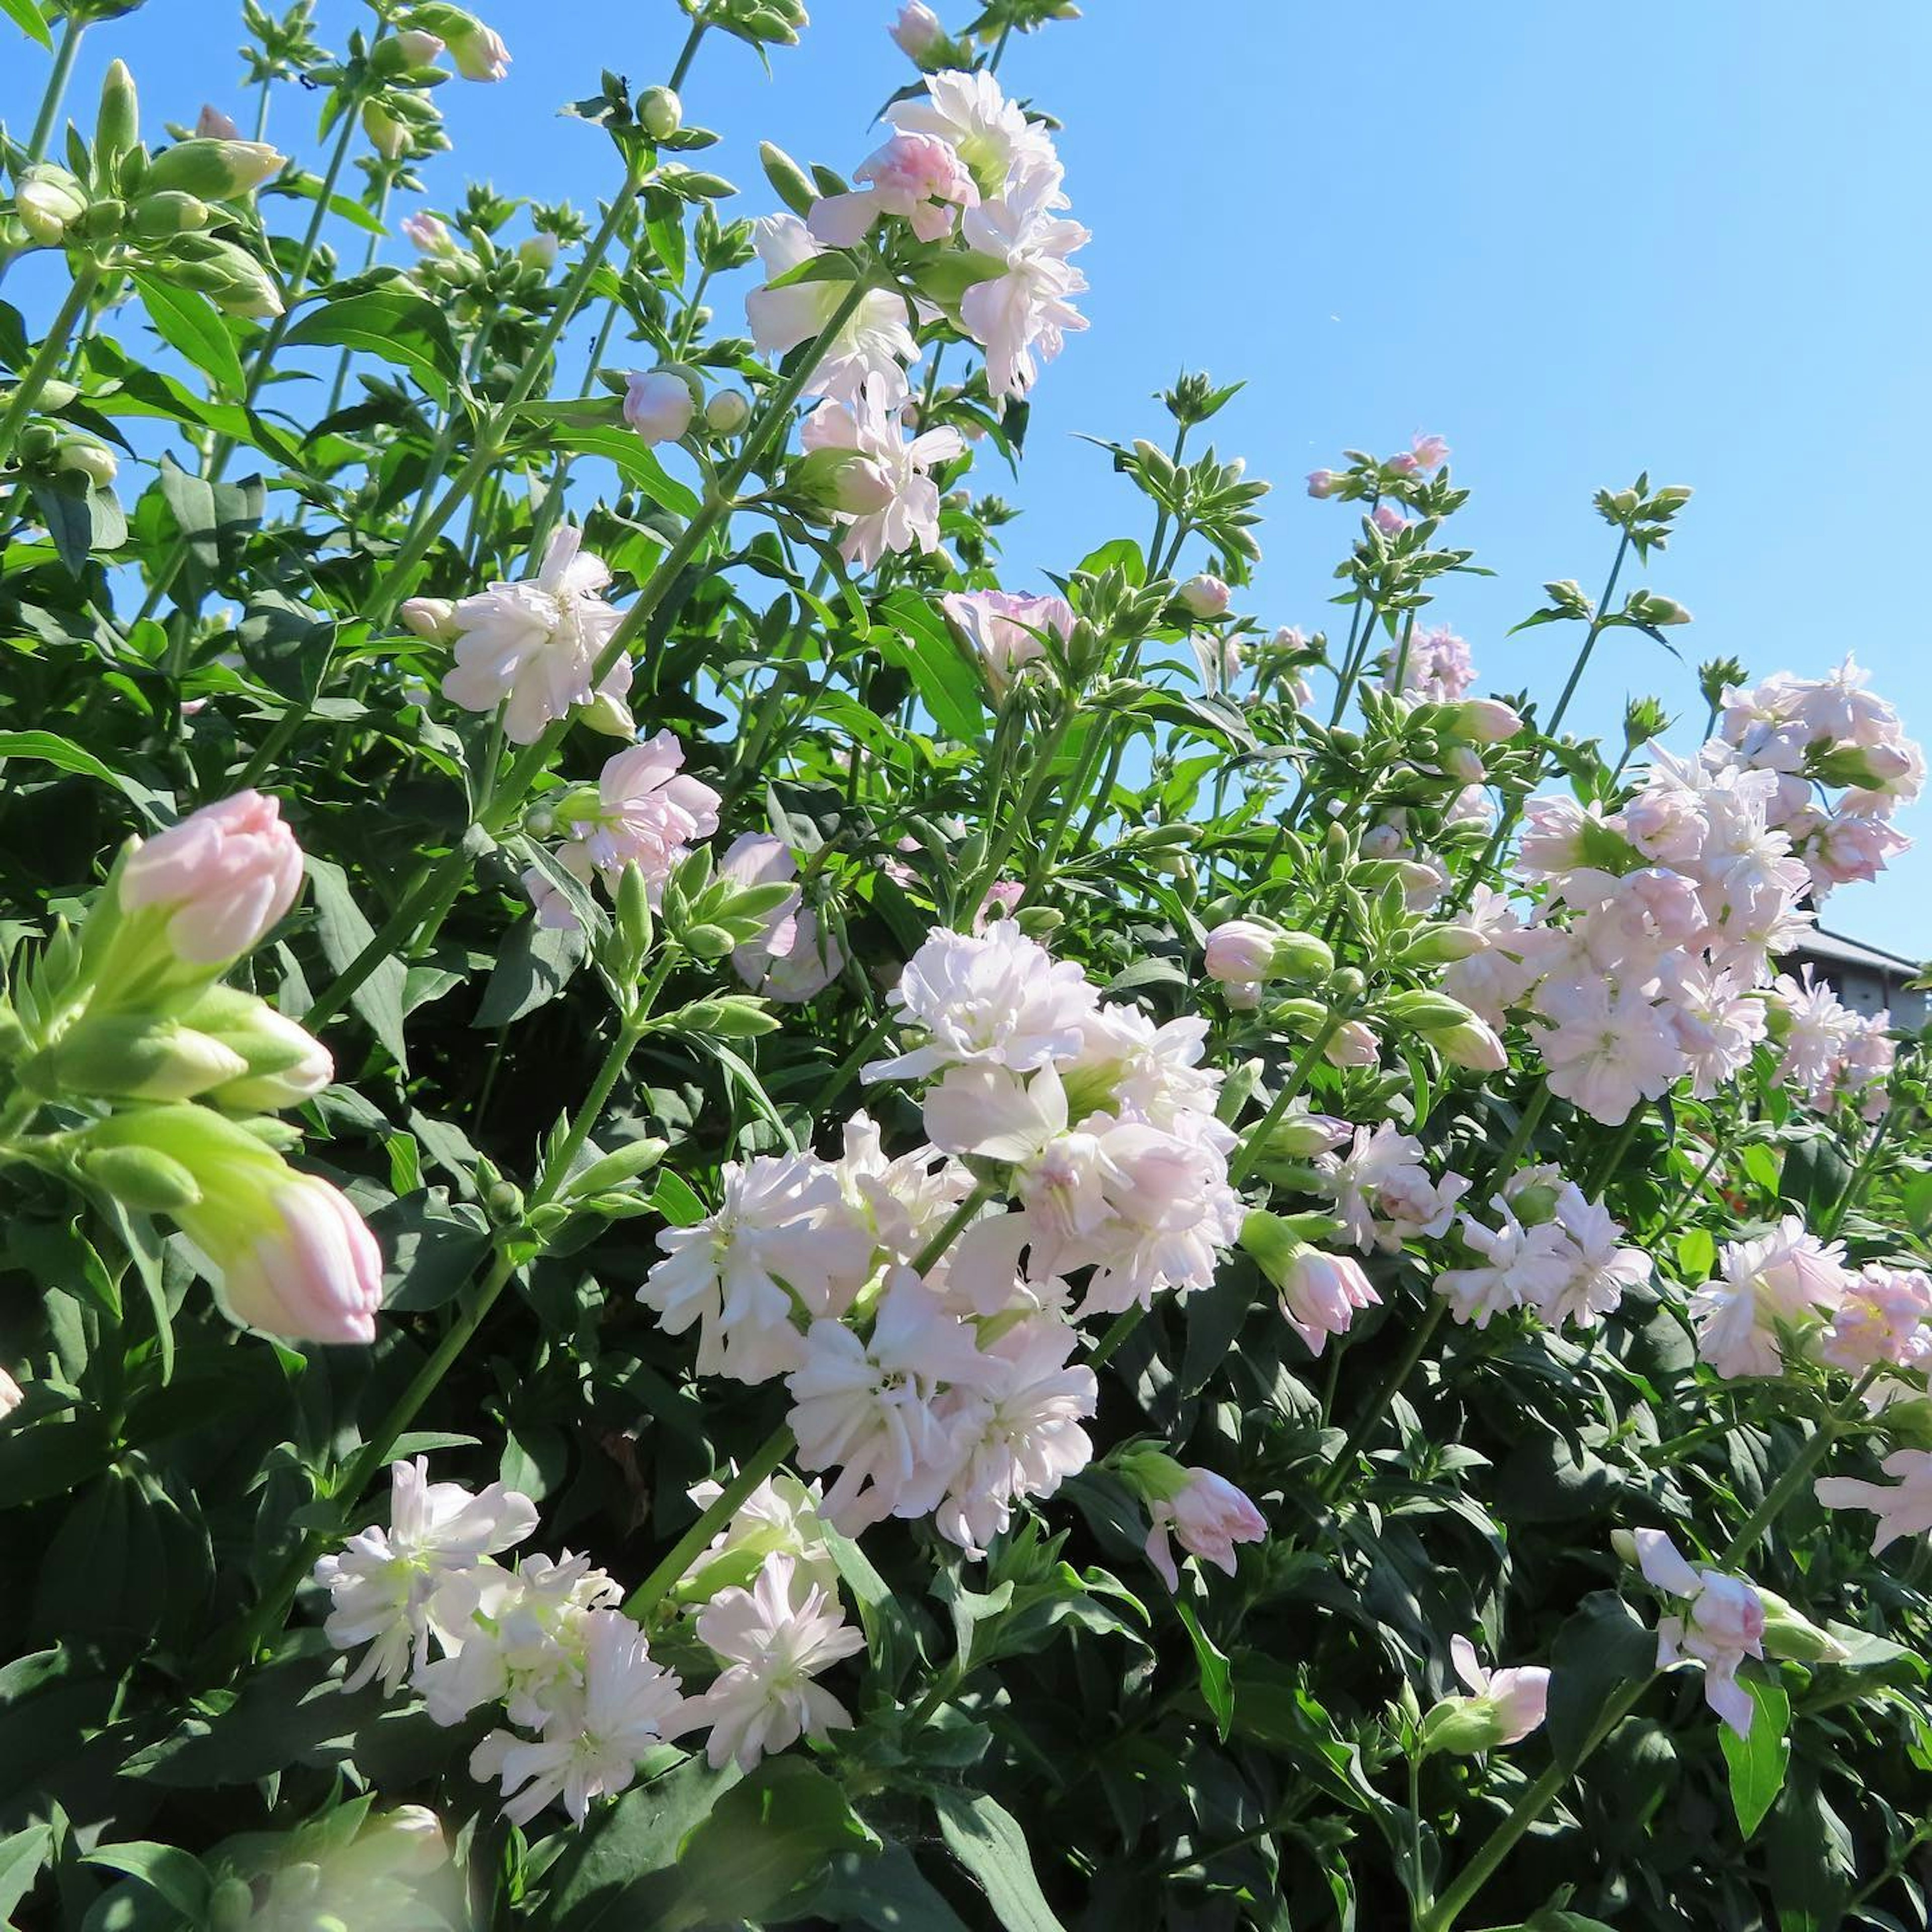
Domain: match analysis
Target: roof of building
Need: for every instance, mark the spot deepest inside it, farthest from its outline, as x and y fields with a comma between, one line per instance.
x=1819, y=944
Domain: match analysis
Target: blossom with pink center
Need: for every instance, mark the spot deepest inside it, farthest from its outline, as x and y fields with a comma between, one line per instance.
x=876, y=342
x=916, y=178
x=1005, y=630
x=1516, y=1698
x=645, y=812
x=967, y=111
x=1881, y=1319
x=1719, y=1623
x=426, y=232
x=902, y=511
x=532, y=646
x=1381, y=1193
x=1438, y=670
x=1321, y=1294
x=1716, y=1022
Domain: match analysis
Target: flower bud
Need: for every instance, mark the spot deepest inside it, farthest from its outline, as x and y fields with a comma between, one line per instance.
x=47, y=200
x=94, y=461
x=131, y=1056
x=431, y=617
x=231, y=1904
x=287, y=1253
x=1463, y=1726
x=282, y=1064
x=1428, y=1012
x=211, y=125
x=118, y=126
x=1788, y=1632
x=416, y=48
x=659, y=405
x=660, y=113
x=1481, y=721
x=1474, y=1044
x=1241, y=949
x=1322, y=482
x=537, y=251
x=728, y=411
x=142, y=1179
x=1204, y=596
x=214, y=170
x=1353, y=1044
x=388, y=136
x=609, y=716
x=426, y=232
x=1439, y=944
x=919, y=35
x=155, y=217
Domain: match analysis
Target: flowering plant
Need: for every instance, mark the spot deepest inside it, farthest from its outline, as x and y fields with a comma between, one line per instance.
x=714, y=1218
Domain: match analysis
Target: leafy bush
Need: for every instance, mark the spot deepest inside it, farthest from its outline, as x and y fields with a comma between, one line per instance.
x=710, y=1222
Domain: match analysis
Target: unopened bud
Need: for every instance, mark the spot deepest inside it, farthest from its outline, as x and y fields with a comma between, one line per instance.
x=728, y=411
x=133, y=1057
x=156, y=216
x=658, y=404
x=609, y=716
x=1481, y=721
x=1788, y=1632
x=142, y=1178
x=47, y=201
x=1204, y=596
x=119, y=125
x=431, y=617
x=660, y=113
x=99, y=465
x=214, y=170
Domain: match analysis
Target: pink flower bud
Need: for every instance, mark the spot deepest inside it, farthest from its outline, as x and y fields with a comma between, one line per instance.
x=426, y=232
x=918, y=33
x=1320, y=1293
x=1485, y=721
x=417, y=48
x=478, y=53
x=431, y=617
x=1208, y=1516
x=1388, y=520
x=1239, y=950
x=224, y=876
x=1430, y=452
x=1403, y=465
x=1353, y=1044
x=659, y=405
x=1322, y=482
x=211, y=125
x=1204, y=596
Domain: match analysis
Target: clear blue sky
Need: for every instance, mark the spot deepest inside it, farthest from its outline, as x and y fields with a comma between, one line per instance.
x=1577, y=244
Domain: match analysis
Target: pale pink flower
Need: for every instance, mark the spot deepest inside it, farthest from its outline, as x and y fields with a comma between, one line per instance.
x=531, y=646
x=1903, y=1507
x=1439, y=669
x=1519, y=1695
x=1204, y=596
x=222, y=879
x=478, y=52
x=1388, y=519
x=1430, y=452
x=918, y=33
x=1322, y=482
x=1005, y=629
x=1716, y=1022
x=903, y=512
x=877, y=341
x=998, y=144
x=774, y=1639
x=1320, y=1295
x=1721, y=1623
x=1787, y=1278
x=1238, y=950
x=1207, y=1517
x=1605, y=1047
x=918, y=178
x=658, y=405
x=1521, y=1266
x=1353, y=1044
x=1881, y=1319
x=426, y=232
x=792, y=960
x=645, y=813
x=1382, y=1194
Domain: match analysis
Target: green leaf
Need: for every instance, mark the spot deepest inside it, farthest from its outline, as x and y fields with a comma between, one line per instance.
x=919, y=643
x=988, y=1842
x=387, y=323
x=188, y=321
x=1217, y=1688
x=674, y=1199
x=889, y=1893
x=24, y=1852
x=1758, y=1762
x=536, y=964
x=621, y=1843
x=625, y=450
x=26, y=15
x=1599, y=1652
x=65, y=501
x=54, y=750
x=765, y=1841
x=176, y=1875
x=344, y=932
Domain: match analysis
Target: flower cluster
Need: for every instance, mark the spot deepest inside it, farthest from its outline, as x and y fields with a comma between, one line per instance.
x=546, y=1641
x=1551, y=1251
x=1826, y=1052
x=1659, y=923
x=1787, y=1295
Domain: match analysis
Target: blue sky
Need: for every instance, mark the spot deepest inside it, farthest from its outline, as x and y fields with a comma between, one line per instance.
x=1575, y=244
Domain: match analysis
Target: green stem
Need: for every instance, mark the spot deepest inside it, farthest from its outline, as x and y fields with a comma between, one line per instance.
x=56, y=91
x=1686, y=1200
x=699, y=28
x=1796, y=1474
x=646, y=1597
x=1861, y=1175
x=1036, y=781
x=47, y=359
x=1254, y=1143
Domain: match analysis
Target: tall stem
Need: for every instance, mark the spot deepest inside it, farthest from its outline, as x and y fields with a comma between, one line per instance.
x=1860, y=1175
x=56, y=91
x=676, y=1560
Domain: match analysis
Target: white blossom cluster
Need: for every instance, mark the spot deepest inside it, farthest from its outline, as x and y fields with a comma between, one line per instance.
x=1645, y=960
x=545, y=1640
x=1551, y=1250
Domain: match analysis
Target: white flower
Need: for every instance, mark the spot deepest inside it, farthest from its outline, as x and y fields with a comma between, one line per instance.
x=1017, y=1433
x=876, y=342
x=645, y=812
x=1523, y=1265
x=905, y=1200
x=869, y=1405
x=904, y=514
x=1021, y=318
x=535, y=643
x=591, y=1742
x=1607, y=1047
x=390, y=1588
x=1005, y=630
x=996, y=997
x=1383, y=1195
x=1207, y=1515
x=783, y=1244
x=774, y=1638
x=781, y=1516
x=1787, y=1278
x=1600, y=1270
